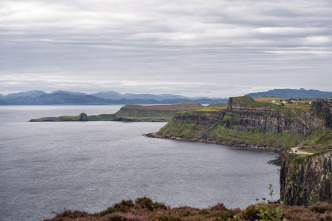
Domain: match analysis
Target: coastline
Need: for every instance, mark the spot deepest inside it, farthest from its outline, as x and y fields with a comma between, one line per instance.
x=277, y=151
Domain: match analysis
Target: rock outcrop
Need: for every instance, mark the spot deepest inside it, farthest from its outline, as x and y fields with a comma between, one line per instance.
x=322, y=108
x=83, y=117
x=305, y=181
x=269, y=117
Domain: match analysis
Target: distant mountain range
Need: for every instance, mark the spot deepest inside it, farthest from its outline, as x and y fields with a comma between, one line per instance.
x=288, y=93
x=75, y=98
x=37, y=97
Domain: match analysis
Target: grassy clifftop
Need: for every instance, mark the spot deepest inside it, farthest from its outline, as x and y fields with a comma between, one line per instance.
x=154, y=112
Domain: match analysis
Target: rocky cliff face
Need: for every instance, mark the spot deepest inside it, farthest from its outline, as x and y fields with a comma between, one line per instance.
x=246, y=122
x=206, y=118
x=247, y=114
x=305, y=181
x=323, y=109
x=269, y=117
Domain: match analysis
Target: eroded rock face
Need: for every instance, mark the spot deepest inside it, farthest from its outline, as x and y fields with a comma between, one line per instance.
x=324, y=109
x=306, y=181
x=265, y=118
x=199, y=118
x=83, y=117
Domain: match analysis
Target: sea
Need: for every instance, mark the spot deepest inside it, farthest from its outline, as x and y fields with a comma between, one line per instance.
x=49, y=167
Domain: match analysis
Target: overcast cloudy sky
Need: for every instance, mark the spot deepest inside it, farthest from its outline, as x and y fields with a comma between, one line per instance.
x=215, y=48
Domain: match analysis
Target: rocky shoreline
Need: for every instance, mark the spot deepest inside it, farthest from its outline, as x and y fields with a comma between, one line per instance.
x=277, y=151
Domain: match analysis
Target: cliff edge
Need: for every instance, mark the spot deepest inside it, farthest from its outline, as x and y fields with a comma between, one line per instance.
x=306, y=180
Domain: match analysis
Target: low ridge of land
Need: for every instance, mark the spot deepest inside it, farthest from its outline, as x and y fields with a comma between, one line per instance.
x=135, y=113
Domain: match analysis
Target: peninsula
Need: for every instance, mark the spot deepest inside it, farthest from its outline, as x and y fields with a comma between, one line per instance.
x=130, y=113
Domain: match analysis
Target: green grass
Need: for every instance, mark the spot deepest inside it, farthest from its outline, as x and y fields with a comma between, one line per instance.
x=187, y=130
x=256, y=137
x=218, y=105
x=249, y=102
x=101, y=117
x=144, y=114
x=210, y=109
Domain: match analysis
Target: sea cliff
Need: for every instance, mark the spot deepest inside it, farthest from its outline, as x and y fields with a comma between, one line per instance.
x=248, y=123
x=306, y=180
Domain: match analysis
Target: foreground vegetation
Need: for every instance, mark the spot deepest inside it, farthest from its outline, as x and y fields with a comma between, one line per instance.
x=145, y=209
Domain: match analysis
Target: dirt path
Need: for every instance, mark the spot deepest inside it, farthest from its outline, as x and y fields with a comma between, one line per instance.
x=294, y=150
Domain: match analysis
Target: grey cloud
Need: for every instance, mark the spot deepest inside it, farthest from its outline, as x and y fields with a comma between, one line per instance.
x=214, y=47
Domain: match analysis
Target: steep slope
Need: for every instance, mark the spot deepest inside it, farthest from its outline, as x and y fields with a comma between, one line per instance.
x=306, y=180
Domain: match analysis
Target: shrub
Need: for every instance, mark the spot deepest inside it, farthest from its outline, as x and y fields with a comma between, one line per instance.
x=124, y=206
x=263, y=211
x=146, y=203
x=72, y=214
x=321, y=207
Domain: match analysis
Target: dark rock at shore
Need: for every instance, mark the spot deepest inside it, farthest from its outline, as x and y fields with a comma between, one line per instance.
x=83, y=117
x=276, y=161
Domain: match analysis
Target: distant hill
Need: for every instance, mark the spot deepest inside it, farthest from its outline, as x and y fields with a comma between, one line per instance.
x=109, y=95
x=34, y=93
x=287, y=93
x=77, y=98
x=117, y=96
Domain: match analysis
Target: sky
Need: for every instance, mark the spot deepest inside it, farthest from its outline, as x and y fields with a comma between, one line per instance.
x=212, y=48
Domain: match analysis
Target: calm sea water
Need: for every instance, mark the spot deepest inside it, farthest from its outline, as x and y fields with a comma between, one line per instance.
x=89, y=166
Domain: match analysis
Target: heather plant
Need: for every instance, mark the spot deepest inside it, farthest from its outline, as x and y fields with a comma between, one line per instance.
x=124, y=206
x=319, y=211
x=71, y=214
x=146, y=203
x=146, y=209
x=321, y=207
